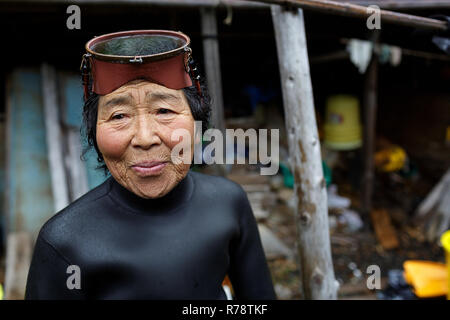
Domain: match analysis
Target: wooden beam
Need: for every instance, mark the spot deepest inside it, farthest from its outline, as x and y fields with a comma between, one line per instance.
x=343, y=54
x=386, y=4
x=412, y=53
x=159, y=3
x=328, y=57
x=314, y=252
x=354, y=10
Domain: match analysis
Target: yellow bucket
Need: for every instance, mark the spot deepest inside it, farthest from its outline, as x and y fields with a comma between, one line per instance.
x=445, y=240
x=342, y=127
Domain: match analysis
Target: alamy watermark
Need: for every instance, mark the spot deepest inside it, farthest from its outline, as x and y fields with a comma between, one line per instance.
x=374, y=20
x=233, y=144
x=374, y=279
x=74, y=280
x=74, y=20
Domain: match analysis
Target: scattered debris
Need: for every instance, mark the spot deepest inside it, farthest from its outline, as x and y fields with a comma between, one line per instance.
x=334, y=200
x=355, y=291
x=285, y=195
x=248, y=178
x=256, y=199
x=273, y=247
x=434, y=212
x=282, y=292
x=350, y=220
x=397, y=288
x=384, y=230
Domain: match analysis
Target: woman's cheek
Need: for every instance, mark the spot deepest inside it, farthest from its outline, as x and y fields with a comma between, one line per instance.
x=111, y=144
x=186, y=125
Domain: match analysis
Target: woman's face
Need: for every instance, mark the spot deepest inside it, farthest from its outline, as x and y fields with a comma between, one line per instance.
x=134, y=134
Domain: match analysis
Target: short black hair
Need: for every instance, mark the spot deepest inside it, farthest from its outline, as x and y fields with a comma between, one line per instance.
x=200, y=106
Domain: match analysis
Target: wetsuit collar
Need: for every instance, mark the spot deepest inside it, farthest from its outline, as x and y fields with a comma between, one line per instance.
x=178, y=196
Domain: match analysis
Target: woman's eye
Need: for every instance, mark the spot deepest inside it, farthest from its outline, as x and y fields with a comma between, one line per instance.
x=118, y=116
x=164, y=111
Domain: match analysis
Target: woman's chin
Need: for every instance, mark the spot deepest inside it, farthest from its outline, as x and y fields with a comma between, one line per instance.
x=152, y=187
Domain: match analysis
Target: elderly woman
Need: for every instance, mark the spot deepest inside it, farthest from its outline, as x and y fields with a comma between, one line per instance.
x=154, y=229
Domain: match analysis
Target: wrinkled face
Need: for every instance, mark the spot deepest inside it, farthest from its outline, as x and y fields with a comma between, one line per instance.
x=134, y=134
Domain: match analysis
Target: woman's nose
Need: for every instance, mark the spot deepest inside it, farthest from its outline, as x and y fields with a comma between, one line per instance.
x=145, y=132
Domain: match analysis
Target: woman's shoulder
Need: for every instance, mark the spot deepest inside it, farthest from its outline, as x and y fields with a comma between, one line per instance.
x=72, y=213
x=211, y=184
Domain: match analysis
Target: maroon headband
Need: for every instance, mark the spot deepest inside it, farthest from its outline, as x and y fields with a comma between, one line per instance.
x=172, y=69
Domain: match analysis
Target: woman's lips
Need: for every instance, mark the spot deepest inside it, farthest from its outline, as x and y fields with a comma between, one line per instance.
x=149, y=168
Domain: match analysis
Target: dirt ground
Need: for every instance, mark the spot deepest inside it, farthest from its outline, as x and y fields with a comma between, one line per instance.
x=352, y=253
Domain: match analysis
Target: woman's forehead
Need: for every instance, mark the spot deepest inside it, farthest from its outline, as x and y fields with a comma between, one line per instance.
x=138, y=90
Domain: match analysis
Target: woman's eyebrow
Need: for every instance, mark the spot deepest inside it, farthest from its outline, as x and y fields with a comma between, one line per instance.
x=118, y=101
x=152, y=96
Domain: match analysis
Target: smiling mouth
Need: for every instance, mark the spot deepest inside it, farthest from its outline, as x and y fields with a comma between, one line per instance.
x=149, y=168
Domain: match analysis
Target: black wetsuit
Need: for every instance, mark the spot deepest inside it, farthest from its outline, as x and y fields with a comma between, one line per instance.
x=179, y=246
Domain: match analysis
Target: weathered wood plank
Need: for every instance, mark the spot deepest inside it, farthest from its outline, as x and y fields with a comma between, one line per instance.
x=83, y=174
x=314, y=252
x=72, y=106
x=159, y=3
x=213, y=73
x=434, y=196
x=354, y=10
x=212, y=65
x=54, y=137
x=18, y=259
x=433, y=214
x=386, y=4
x=384, y=230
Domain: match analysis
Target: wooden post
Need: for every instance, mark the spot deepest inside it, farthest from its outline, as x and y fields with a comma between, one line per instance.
x=314, y=251
x=211, y=59
x=18, y=260
x=370, y=115
x=71, y=101
x=212, y=65
x=54, y=137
